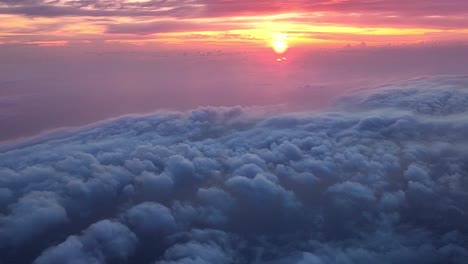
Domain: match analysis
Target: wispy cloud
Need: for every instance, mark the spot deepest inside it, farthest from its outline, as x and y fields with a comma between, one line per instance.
x=420, y=17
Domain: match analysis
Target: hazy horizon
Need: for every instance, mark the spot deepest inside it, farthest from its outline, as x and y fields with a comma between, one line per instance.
x=82, y=86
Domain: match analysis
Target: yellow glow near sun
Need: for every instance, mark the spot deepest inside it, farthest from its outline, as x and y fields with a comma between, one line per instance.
x=279, y=43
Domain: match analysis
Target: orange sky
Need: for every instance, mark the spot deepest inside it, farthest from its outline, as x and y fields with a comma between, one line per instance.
x=244, y=23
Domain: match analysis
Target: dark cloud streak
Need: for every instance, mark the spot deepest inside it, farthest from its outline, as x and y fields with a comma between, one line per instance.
x=168, y=26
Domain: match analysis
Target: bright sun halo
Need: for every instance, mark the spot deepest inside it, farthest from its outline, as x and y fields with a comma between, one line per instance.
x=279, y=43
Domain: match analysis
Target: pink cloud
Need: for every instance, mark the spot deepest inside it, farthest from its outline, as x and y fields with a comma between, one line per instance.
x=174, y=15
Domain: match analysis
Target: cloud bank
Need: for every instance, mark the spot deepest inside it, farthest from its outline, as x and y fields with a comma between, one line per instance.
x=381, y=179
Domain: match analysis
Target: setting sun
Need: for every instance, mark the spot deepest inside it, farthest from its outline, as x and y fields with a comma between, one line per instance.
x=279, y=43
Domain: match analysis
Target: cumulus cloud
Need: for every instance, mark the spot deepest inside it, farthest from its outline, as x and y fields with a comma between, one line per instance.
x=102, y=242
x=31, y=216
x=150, y=219
x=381, y=178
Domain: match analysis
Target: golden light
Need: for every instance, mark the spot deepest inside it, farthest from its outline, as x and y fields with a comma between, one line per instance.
x=279, y=43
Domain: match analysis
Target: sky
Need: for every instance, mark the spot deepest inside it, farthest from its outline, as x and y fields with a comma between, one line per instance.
x=74, y=62
x=231, y=23
x=45, y=88
x=233, y=131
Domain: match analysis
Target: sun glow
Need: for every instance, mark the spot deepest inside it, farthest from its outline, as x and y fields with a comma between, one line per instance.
x=279, y=43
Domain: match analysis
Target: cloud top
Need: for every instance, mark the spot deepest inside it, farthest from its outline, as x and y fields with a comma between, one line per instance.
x=381, y=179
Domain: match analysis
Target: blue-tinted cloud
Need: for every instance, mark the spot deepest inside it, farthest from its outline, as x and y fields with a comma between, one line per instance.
x=380, y=179
x=102, y=242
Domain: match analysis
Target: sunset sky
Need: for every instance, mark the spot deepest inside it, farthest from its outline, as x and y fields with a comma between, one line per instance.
x=207, y=23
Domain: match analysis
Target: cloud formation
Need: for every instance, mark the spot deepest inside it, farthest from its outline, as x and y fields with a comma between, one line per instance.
x=380, y=179
x=214, y=8
x=351, y=20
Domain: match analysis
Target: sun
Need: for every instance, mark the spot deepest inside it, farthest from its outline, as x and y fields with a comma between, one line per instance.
x=279, y=43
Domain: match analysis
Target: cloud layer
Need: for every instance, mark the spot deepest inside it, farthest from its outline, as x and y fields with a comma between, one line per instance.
x=382, y=179
x=313, y=22
x=214, y=8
